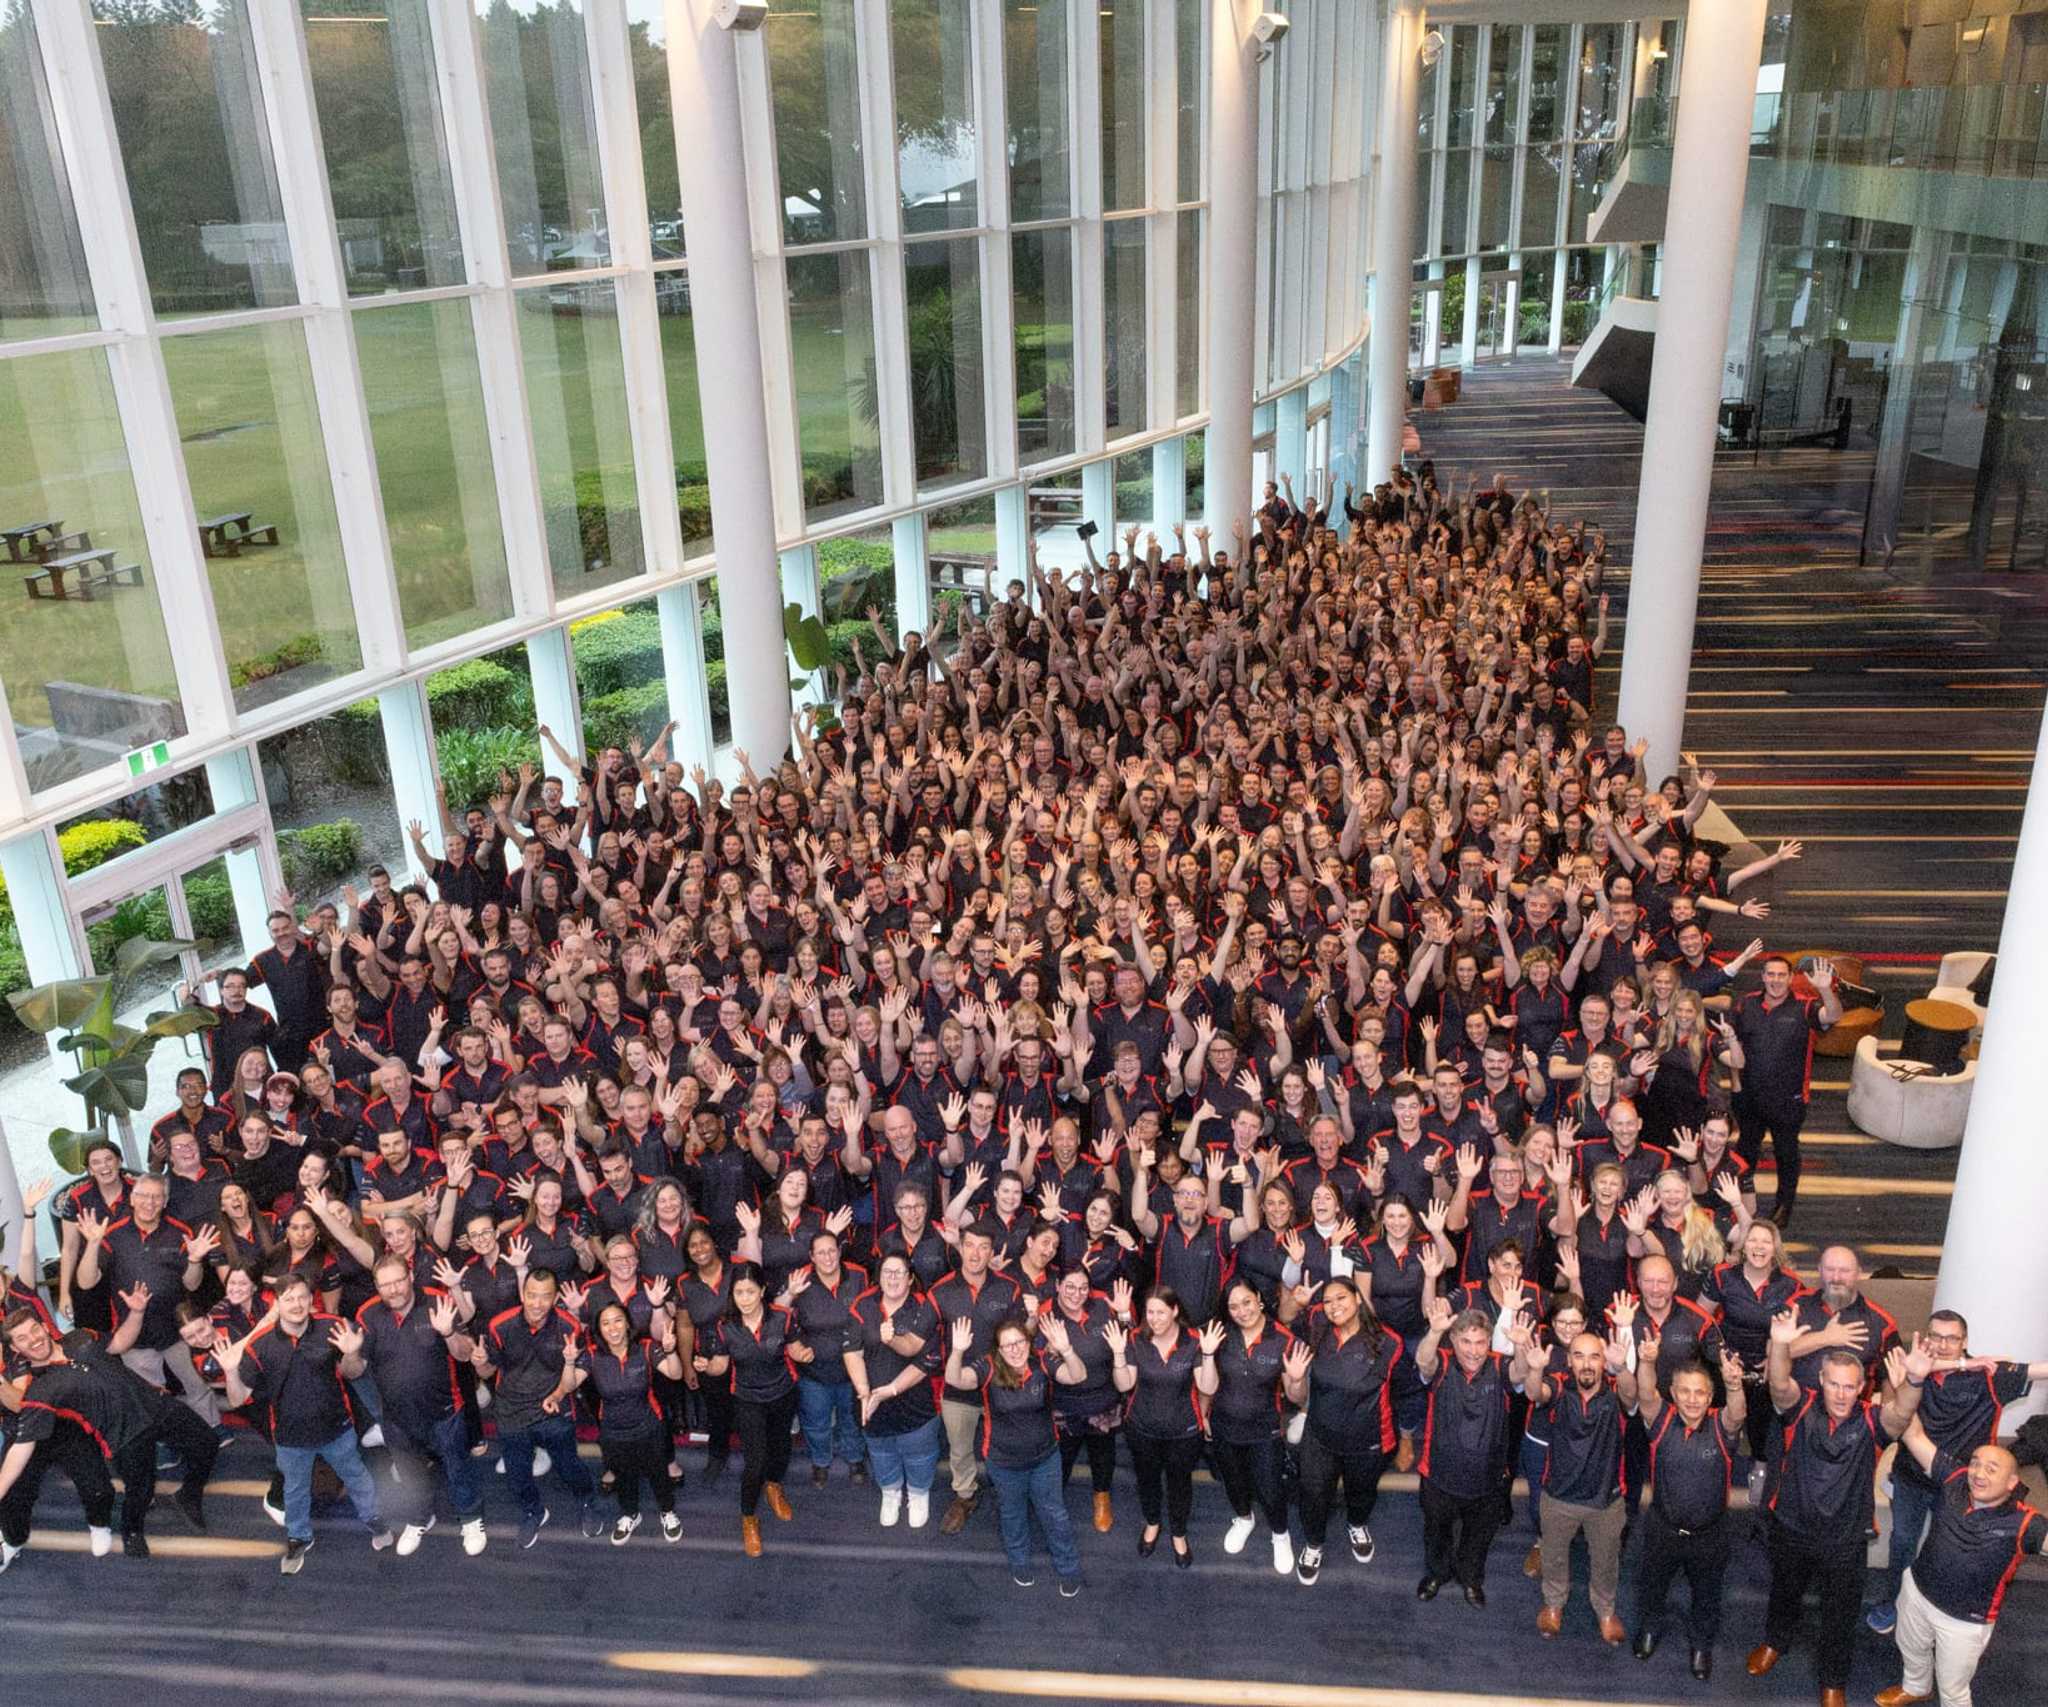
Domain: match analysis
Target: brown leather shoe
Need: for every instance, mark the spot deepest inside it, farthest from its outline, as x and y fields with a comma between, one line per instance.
x=1897, y=1696
x=778, y=1501
x=1834, y=1698
x=1104, y=1521
x=1404, y=1454
x=750, y=1536
x=1762, y=1659
x=956, y=1516
x=1532, y=1561
x=1549, y=1621
x=1612, y=1631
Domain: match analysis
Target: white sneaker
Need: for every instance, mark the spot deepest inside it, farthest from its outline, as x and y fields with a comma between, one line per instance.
x=410, y=1536
x=102, y=1542
x=1283, y=1552
x=542, y=1463
x=373, y=1435
x=622, y=1530
x=671, y=1527
x=9, y=1552
x=1239, y=1532
x=920, y=1507
x=892, y=1506
x=473, y=1537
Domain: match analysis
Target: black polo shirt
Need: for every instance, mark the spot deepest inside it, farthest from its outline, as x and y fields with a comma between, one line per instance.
x=911, y=1409
x=1409, y=1170
x=415, y=1374
x=1350, y=1393
x=195, y=1200
x=1490, y=1224
x=925, y=1098
x=1465, y=1435
x=235, y=1034
x=1881, y=1334
x=94, y=1389
x=1584, y=1431
x=1196, y=1265
x=1016, y=1422
x=1691, y=1468
x=824, y=1319
x=761, y=1369
x=157, y=1260
x=995, y=1301
x=1604, y=1265
x=1163, y=1402
x=298, y=1381
x=622, y=1388
x=1825, y=1470
x=298, y=990
x=1970, y=1554
x=1746, y=1310
x=1959, y=1409
x=1249, y=1406
x=1777, y=1048
x=1149, y=1028
x=529, y=1362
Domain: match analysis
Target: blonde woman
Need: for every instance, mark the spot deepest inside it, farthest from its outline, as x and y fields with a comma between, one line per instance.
x=1677, y=1072
x=1684, y=1231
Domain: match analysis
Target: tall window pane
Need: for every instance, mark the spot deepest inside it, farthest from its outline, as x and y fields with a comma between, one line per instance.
x=387, y=151
x=1187, y=388
x=1042, y=284
x=196, y=146
x=935, y=155
x=1602, y=70
x=1190, y=97
x=1546, y=82
x=576, y=395
x=544, y=133
x=1464, y=62
x=44, y=287
x=426, y=405
x=1541, y=170
x=85, y=681
x=1503, y=72
x=1123, y=102
x=1457, y=166
x=948, y=412
x=1035, y=106
x=814, y=78
x=685, y=411
x=832, y=341
x=254, y=453
x=647, y=30
x=1123, y=316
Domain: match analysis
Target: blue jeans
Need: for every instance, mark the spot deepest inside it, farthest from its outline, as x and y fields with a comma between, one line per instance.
x=447, y=1444
x=911, y=1459
x=830, y=1418
x=1912, y=1506
x=1019, y=1493
x=345, y=1459
x=558, y=1436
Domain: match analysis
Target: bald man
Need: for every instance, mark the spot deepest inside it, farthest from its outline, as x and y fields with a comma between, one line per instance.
x=1949, y=1599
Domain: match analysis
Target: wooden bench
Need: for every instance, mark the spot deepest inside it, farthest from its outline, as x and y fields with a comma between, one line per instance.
x=48, y=581
x=112, y=578
x=22, y=539
x=225, y=535
x=62, y=545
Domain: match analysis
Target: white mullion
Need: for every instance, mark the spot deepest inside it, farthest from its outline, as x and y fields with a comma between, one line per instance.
x=14, y=789
x=277, y=33
x=1084, y=102
x=1575, y=44
x=771, y=285
x=106, y=226
x=998, y=303
x=609, y=40
x=1162, y=165
x=874, y=55
x=466, y=118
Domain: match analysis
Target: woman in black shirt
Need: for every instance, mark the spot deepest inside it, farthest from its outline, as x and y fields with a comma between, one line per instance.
x=705, y=1292
x=1018, y=1442
x=1089, y=1416
x=1341, y=1370
x=759, y=1343
x=1245, y=1421
x=1167, y=1366
x=890, y=1365
x=632, y=1432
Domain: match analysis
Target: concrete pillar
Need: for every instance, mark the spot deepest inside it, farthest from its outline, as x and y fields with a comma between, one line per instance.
x=703, y=72
x=1710, y=159
x=1994, y=1261
x=1393, y=231
x=1232, y=227
x=551, y=662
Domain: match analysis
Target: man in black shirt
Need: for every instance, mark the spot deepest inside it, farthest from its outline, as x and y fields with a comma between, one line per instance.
x=1822, y=1497
x=1776, y=1031
x=293, y=973
x=1582, y=1471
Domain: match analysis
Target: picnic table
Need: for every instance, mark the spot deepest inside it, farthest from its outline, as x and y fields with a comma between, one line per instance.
x=22, y=539
x=48, y=581
x=225, y=535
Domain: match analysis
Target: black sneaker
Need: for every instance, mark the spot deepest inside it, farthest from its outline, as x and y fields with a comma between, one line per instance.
x=1308, y=1565
x=135, y=1544
x=1361, y=1543
x=858, y=1474
x=294, y=1558
x=1069, y=1587
x=1023, y=1578
x=820, y=1475
x=590, y=1520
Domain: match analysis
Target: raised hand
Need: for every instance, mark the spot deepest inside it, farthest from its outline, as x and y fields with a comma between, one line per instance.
x=1210, y=1338
x=1785, y=1327
x=346, y=1338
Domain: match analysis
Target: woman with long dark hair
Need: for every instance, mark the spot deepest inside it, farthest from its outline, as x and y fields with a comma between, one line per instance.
x=758, y=1342
x=1089, y=1416
x=1245, y=1421
x=1340, y=1370
x=632, y=1432
x=1167, y=1366
x=704, y=1295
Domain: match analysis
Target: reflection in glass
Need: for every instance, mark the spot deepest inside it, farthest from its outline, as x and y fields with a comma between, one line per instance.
x=1123, y=325
x=838, y=405
x=1035, y=109
x=544, y=133
x=935, y=153
x=1190, y=96
x=685, y=412
x=85, y=682
x=250, y=429
x=1546, y=81
x=1496, y=195
x=1187, y=366
x=1123, y=102
x=1042, y=288
x=378, y=96
x=647, y=41
x=814, y=79
x=948, y=410
x=1592, y=166
x=433, y=447
x=196, y=145
x=1462, y=53
x=1503, y=72
x=1540, y=172
x=576, y=395
x=1602, y=70
x=45, y=290
x=1457, y=166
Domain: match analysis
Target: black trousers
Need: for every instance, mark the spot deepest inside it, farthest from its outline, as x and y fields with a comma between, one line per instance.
x=1457, y=1533
x=1250, y=1473
x=1322, y=1465
x=1837, y=1570
x=714, y=1400
x=1166, y=1477
x=764, y=1444
x=632, y=1462
x=191, y=1439
x=1702, y=1557
x=1101, y=1454
x=1782, y=1120
x=77, y=1454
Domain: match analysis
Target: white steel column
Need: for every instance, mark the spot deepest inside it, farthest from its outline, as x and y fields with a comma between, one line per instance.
x=1392, y=234
x=1290, y=438
x=682, y=662
x=1709, y=161
x=1994, y=1261
x=1232, y=226
x=415, y=775
x=1169, y=482
x=557, y=706
x=704, y=81
x=235, y=778
x=799, y=583
x=1098, y=502
x=1475, y=275
x=1013, y=538
x=913, y=575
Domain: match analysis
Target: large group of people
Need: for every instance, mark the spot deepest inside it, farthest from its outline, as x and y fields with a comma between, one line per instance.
x=1245, y=1003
